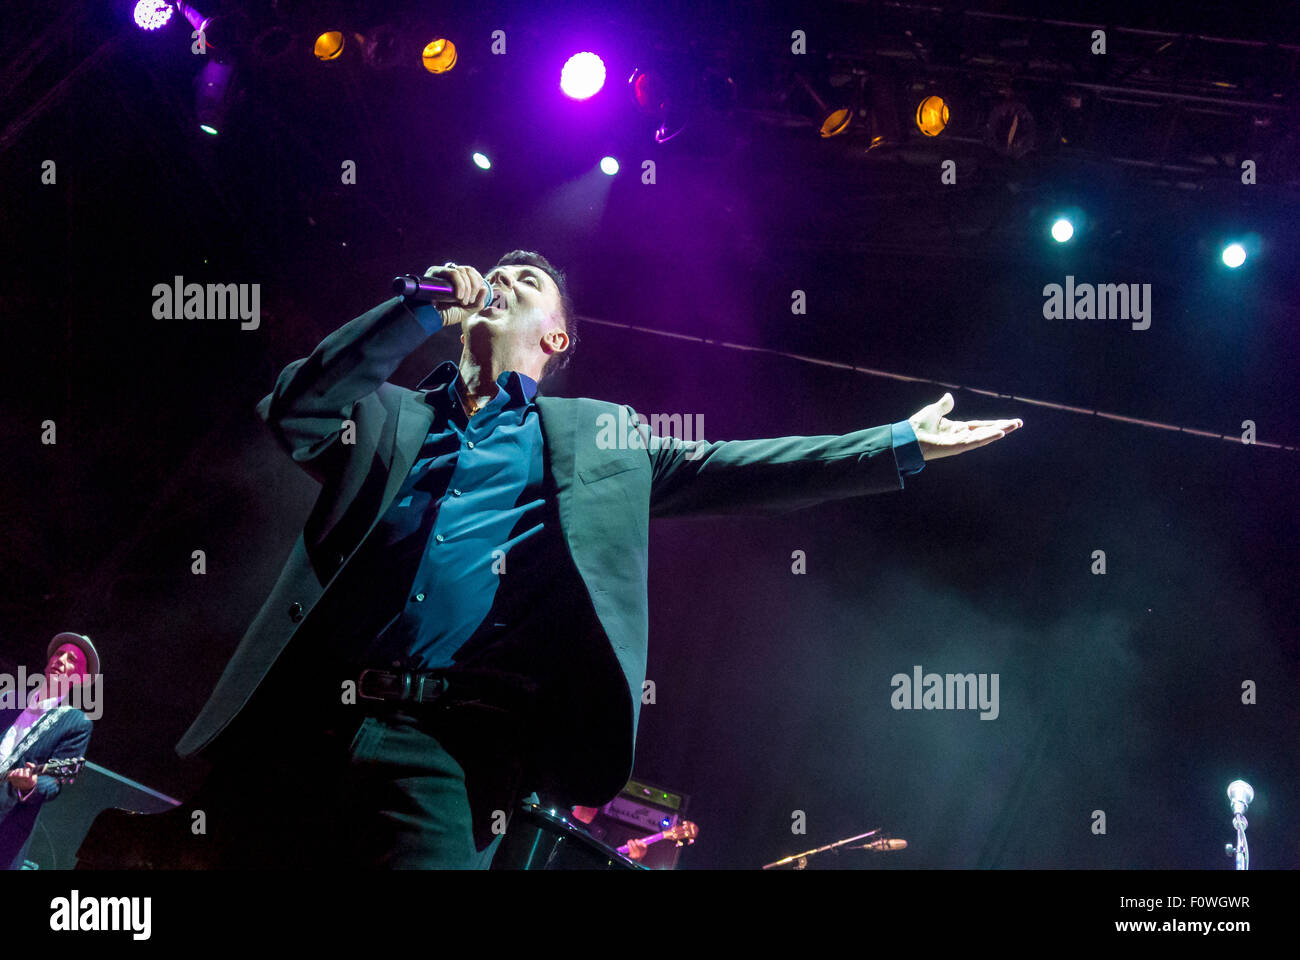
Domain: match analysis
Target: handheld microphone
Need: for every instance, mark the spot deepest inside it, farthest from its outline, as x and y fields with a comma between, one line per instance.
x=431, y=290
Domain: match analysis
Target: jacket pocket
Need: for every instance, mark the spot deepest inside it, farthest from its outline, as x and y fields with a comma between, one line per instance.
x=609, y=468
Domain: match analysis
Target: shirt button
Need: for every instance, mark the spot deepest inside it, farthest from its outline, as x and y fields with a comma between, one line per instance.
x=418, y=598
x=438, y=537
x=471, y=444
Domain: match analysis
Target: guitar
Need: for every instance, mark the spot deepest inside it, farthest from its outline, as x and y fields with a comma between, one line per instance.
x=684, y=833
x=62, y=771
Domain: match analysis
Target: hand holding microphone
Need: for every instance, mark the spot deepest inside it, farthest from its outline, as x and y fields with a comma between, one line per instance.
x=456, y=291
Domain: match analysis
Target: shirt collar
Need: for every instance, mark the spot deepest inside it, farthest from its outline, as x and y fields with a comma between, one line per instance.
x=40, y=706
x=441, y=384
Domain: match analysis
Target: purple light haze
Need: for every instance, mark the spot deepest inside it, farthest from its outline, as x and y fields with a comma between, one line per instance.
x=583, y=75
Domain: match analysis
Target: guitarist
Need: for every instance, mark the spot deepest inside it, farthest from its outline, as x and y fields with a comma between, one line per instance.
x=48, y=729
x=635, y=848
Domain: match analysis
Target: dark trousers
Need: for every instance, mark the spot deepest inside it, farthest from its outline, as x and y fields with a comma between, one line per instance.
x=379, y=789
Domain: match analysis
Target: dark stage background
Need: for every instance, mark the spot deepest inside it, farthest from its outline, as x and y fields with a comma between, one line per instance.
x=1119, y=692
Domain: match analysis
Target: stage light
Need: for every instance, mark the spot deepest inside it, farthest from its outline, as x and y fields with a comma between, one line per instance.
x=932, y=116
x=1062, y=230
x=482, y=162
x=583, y=75
x=1011, y=130
x=213, y=96
x=608, y=165
x=202, y=24
x=883, y=119
x=223, y=34
x=1234, y=255
x=836, y=122
x=655, y=97
x=831, y=119
x=329, y=45
x=152, y=14
x=439, y=56
x=649, y=92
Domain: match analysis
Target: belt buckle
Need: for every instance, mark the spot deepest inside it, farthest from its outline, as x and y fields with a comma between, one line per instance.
x=361, y=683
x=410, y=692
x=430, y=687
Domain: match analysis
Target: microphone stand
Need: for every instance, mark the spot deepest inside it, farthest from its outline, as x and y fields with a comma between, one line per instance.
x=800, y=860
x=1242, y=851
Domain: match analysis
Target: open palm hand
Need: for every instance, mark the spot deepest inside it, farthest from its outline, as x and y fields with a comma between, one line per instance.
x=940, y=437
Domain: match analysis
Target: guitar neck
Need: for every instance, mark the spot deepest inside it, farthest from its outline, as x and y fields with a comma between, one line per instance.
x=653, y=838
x=63, y=769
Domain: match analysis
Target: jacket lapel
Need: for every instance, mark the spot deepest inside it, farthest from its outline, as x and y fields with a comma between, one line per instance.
x=558, y=418
x=411, y=418
x=414, y=417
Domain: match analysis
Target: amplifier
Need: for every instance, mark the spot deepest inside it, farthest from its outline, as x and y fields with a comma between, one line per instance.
x=639, y=810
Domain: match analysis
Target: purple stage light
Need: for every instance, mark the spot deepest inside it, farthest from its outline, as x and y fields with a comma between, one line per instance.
x=583, y=75
x=152, y=14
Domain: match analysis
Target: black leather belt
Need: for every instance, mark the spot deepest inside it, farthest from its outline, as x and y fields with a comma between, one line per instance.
x=406, y=686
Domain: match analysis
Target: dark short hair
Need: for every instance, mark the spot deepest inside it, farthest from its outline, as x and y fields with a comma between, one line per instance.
x=530, y=258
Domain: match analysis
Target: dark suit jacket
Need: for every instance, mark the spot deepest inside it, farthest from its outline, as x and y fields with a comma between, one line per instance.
x=606, y=494
x=67, y=737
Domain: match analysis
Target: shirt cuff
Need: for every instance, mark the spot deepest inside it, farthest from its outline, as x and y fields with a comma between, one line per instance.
x=426, y=313
x=907, y=450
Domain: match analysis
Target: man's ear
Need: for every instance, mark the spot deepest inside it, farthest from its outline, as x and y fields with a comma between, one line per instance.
x=557, y=340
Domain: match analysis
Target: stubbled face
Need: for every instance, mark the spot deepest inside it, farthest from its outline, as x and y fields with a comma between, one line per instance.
x=526, y=308
x=67, y=666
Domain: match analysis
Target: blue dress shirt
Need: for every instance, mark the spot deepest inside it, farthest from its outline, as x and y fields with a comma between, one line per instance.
x=459, y=526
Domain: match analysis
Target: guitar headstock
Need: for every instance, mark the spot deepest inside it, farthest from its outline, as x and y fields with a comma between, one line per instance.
x=63, y=771
x=684, y=832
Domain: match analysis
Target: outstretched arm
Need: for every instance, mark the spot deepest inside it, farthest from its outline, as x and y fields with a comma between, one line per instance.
x=788, y=473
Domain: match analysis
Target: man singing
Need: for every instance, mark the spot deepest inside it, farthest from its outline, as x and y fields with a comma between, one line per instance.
x=464, y=618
